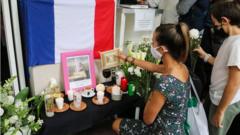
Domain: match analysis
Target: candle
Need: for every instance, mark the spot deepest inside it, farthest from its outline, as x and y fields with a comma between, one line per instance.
x=124, y=84
x=100, y=87
x=116, y=90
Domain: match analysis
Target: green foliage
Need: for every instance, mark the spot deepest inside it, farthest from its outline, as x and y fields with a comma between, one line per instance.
x=23, y=94
x=18, y=111
x=142, y=79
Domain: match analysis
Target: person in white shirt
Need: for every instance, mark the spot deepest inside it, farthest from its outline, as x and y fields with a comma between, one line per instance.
x=225, y=79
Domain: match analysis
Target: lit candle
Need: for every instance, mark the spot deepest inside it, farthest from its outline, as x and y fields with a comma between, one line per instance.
x=124, y=84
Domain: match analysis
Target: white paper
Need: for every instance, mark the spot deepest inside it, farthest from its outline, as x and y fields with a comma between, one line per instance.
x=144, y=19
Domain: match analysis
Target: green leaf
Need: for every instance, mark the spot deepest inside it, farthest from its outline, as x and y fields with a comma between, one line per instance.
x=23, y=94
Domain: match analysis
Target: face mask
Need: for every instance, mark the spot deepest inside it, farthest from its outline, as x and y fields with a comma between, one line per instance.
x=220, y=32
x=156, y=54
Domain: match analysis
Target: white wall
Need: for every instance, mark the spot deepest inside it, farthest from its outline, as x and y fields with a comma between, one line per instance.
x=130, y=34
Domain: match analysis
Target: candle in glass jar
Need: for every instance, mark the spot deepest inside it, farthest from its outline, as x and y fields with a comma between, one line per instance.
x=124, y=83
x=116, y=90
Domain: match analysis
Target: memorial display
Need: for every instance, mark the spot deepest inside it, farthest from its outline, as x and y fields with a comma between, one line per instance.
x=78, y=70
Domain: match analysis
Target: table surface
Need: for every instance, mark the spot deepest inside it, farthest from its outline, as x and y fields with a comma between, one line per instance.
x=70, y=122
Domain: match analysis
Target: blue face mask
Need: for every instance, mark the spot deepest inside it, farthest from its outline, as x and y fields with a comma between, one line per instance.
x=155, y=53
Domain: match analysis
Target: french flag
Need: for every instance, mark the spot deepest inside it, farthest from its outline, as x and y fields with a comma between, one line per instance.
x=54, y=26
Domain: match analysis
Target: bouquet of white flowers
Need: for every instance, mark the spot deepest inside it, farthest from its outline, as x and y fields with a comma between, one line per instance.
x=139, y=77
x=17, y=117
x=195, y=41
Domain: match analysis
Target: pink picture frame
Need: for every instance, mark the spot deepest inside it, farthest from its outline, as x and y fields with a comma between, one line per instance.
x=78, y=70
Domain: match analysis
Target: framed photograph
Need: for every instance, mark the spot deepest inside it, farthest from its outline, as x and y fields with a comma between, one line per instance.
x=109, y=59
x=78, y=70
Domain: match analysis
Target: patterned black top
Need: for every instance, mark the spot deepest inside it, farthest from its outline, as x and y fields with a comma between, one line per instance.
x=170, y=120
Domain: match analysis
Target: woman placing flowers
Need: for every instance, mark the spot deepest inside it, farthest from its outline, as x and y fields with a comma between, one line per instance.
x=166, y=108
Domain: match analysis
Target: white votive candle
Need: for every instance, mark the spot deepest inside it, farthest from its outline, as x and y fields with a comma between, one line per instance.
x=100, y=87
x=100, y=96
x=116, y=90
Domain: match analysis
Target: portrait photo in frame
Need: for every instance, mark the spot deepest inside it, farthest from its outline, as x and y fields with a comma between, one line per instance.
x=109, y=59
x=78, y=70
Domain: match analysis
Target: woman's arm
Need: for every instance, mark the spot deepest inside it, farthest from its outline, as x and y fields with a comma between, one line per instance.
x=154, y=104
x=143, y=64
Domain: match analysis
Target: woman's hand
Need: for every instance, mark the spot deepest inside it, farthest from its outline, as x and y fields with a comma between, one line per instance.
x=122, y=56
x=200, y=52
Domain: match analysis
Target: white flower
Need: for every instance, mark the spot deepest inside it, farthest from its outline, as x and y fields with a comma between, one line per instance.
x=143, y=55
x=18, y=133
x=13, y=119
x=40, y=122
x=137, y=72
x=130, y=70
x=10, y=131
x=31, y=118
x=134, y=54
x=25, y=130
x=18, y=124
x=194, y=33
x=10, y=100
x=1, y=111
x=138, y=55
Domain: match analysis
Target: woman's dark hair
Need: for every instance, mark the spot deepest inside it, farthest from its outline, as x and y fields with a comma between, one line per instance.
x=175, y=38
x=229, y=9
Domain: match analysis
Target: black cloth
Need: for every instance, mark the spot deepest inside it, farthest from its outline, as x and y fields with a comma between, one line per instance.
x=128, y=2
x=196, y=17
x=71, y=122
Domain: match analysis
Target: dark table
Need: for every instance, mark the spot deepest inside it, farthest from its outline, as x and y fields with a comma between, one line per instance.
x=71, y=122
